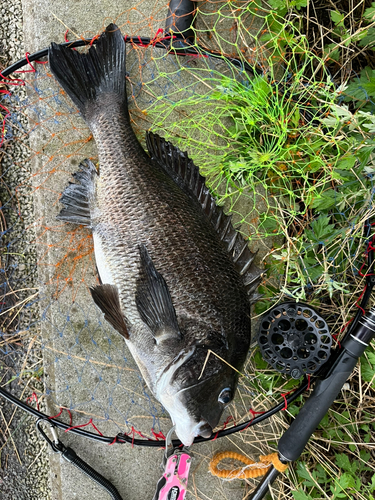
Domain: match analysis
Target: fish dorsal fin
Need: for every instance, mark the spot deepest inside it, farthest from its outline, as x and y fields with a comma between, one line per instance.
x=186, y=175
x=106, y=297
x=154, y=302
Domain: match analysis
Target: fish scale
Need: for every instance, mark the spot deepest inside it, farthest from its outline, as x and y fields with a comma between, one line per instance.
x=138, y=220
x=169, y=261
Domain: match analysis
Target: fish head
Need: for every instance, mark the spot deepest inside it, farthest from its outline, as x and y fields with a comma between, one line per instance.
x=197, y=393
x=204, y=403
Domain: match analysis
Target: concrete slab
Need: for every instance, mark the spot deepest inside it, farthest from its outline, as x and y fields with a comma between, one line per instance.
x=87, y=366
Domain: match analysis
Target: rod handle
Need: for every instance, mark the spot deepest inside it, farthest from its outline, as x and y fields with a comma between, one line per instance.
x=180, y=18
x=294, y=440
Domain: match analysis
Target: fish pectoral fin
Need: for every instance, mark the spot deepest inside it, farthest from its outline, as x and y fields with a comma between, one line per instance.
x=78, y=196
x=154, y=302
x=106, y=297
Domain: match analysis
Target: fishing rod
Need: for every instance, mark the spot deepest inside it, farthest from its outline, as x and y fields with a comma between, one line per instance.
x=330, y=382
x=179, y=39
x=294, y=440
x=290, y=445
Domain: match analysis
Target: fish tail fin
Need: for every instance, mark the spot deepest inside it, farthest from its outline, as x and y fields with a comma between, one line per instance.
x=87, y=76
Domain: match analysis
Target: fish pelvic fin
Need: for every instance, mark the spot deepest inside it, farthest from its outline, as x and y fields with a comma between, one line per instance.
x=154, y=302
x=106, y=297
x=87, y=76
x=77, y=197
x=186, y=175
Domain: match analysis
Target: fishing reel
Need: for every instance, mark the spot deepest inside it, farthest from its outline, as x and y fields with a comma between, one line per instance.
x=294, y=339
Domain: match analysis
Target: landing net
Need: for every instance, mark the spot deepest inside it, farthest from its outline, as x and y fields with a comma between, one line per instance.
x=274, y=137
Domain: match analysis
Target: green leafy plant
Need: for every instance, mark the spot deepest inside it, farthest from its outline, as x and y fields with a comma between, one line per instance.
x=289, y=150
x=353, y=476
x=294, y=142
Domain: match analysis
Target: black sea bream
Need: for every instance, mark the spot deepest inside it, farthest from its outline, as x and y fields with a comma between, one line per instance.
x=175, y=276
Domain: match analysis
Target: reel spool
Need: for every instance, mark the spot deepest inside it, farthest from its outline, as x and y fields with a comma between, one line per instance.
x=294, y=339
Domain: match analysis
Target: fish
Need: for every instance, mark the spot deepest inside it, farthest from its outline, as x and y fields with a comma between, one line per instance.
x=176, y=280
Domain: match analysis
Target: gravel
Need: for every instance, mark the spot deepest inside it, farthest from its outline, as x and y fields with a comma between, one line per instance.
x=24, y=465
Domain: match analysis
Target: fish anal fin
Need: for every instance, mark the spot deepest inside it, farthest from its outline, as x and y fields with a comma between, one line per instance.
x=154, y=302
x=78, y=196
x=186, y=175
x=106, y=297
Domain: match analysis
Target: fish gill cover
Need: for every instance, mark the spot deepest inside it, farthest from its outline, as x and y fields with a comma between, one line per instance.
x=280, y=149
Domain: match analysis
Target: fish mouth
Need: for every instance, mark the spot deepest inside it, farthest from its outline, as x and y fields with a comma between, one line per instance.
x=186, y=435
x=204, y=430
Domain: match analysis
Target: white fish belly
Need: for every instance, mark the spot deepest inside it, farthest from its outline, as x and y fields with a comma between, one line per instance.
x=101, y=261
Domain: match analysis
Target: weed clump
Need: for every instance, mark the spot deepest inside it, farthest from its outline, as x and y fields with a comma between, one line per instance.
x=289, y=149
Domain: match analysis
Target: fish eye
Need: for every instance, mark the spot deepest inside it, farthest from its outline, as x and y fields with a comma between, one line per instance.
x=225, y=396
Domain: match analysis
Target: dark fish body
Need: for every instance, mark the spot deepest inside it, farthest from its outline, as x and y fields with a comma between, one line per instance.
x=168, y=259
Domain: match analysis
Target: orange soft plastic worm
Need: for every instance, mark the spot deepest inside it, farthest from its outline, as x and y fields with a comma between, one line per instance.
x=239, y=473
